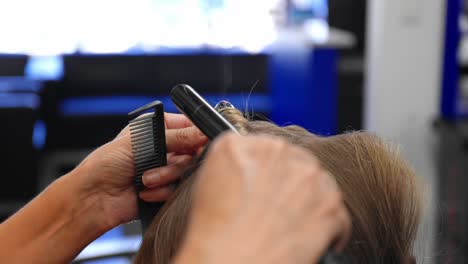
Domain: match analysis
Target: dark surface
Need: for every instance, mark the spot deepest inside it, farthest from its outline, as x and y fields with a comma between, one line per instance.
x=110, y=75
x=452, y=161
x=121, y=74
x=350, y=15
x=350, y=97
x=12, y=65
x=18, y=156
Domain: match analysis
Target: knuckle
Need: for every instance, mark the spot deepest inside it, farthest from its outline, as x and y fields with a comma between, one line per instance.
x=280, y=143
x=181, y=136
x=334, y=203
x=184, y=159
x=225, y=141
x=311, y=172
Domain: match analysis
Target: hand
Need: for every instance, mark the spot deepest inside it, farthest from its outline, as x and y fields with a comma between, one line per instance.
x=269, y=200
x=107, y=174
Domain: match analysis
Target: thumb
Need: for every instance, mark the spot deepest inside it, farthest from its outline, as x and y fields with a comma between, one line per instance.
x=185, y=140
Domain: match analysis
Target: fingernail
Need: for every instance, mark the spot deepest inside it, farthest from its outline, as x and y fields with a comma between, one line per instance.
x=151, y=178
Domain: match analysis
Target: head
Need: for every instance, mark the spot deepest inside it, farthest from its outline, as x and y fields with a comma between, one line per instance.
x=379, y=189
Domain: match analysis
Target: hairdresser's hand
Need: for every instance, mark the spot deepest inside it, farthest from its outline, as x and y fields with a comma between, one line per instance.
x=108, y=173
x=82, y=205
x=261, y=200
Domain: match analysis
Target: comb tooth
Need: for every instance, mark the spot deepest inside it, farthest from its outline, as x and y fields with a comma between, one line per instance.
x=144, y=148
x=146, y=167
x=144, y=126
x=145, y=130
x=148, y=157
x=149, y=141
x=144, y=151
x=139, y=120
x=149, y=154
x=143, y=145
x=142, y=136
x=152, y=166
x=147, y=160
x=141, y=123
x=152, y=157
x=141, y=133
x=143, y=141
x=146, y=154
x=140, y=153
x=139, y=183
x=146, y=163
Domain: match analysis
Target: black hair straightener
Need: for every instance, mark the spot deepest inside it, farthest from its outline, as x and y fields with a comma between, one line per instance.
x=145, y=140
x=202, y=115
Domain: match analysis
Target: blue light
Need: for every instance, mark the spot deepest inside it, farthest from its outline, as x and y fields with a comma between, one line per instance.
x=8, y=100
x=39, y=134
x=18, y=84
x=44, y=68
x=122, y=105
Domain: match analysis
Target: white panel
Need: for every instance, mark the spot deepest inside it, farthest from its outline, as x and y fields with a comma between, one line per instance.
x=404, y=62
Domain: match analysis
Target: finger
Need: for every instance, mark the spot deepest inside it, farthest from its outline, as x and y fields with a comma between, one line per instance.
x=158, y=194
x=336, y=229
x=346, y=225
x=124, y=132
x=167, y=174
x=173, y=121
x=184, y=140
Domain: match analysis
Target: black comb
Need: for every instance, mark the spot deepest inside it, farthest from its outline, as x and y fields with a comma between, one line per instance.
x=149, y=151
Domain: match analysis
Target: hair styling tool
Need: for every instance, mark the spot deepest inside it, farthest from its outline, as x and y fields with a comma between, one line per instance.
x=202, y=115
x=211, y=123
x=149, y=150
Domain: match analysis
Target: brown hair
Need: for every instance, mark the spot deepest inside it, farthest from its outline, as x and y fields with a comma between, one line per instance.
x=379, y=189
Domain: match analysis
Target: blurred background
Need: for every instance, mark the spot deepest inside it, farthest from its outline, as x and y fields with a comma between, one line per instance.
x=71, y=70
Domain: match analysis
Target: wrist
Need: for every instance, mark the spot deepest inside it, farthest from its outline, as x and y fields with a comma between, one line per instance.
x=85, y=201
x=52, y=228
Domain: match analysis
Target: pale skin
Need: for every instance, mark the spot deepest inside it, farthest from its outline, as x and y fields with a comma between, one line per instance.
x=98, y=195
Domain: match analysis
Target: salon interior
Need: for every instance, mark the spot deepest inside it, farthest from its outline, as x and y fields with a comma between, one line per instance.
x=71, y=71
